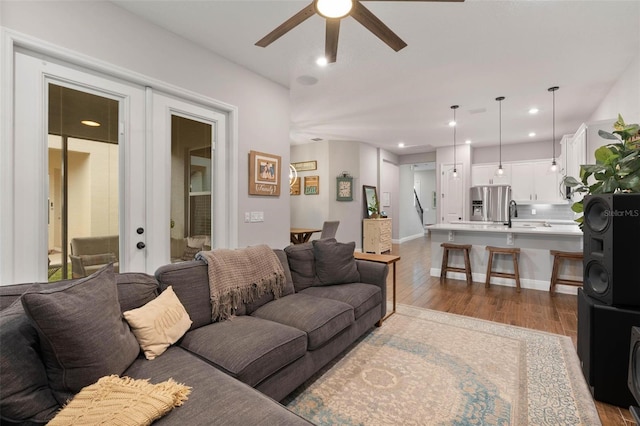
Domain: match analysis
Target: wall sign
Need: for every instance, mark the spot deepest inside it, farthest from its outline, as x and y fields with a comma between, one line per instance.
x=311, y=185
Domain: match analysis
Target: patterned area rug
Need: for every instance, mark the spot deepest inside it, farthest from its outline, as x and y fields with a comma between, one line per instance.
x=426, y=367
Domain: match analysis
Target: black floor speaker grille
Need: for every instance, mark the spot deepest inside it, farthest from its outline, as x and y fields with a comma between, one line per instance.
x=604, y=337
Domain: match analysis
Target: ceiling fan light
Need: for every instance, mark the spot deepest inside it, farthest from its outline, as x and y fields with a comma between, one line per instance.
x=334, y=8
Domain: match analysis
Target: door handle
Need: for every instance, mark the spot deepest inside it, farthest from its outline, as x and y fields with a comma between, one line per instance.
x=140, y=245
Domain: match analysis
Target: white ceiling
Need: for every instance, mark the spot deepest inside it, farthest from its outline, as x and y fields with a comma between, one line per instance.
x=458, y=53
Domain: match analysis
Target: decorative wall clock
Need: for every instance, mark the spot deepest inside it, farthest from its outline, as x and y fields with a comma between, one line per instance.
x=344, y=187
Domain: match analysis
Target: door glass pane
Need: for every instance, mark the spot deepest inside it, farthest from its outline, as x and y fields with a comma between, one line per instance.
x=191, y=183
x=83, y=182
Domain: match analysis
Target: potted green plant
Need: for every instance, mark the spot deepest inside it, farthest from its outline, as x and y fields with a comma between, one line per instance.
x=374, y=211
x=617, y=167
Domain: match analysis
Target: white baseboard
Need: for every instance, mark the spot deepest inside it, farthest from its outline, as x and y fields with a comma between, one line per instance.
x=409, y=238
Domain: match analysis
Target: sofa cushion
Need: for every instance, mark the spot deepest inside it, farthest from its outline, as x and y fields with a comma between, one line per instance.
x=288, y=284
x=159, y=324
x=97, y=259
x=189, y=252
x=135, y=289
x=335, y=263
x=320, y=318
x=24, y=391
x=247, y=348
x=302, y=265
x=216, y=398
x=190, y=283
x=361, y=296
x=82, y=332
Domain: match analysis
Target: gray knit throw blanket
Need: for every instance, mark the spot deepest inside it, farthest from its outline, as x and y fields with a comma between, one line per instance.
x=241, y=276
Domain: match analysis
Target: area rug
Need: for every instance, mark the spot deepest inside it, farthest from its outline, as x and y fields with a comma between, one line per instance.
x=425, y=367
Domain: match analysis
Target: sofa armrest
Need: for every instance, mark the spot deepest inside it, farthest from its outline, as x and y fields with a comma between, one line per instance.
x=376, y=274
x=77, y=268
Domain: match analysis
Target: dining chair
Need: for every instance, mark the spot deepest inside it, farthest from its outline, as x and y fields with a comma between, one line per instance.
x=329, y=229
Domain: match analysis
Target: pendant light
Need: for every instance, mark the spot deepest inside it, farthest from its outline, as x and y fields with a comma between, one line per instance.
x=554, y=166
x=455, y=170
x=500, y=170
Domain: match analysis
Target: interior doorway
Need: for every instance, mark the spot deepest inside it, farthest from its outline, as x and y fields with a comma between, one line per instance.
x=452, y=190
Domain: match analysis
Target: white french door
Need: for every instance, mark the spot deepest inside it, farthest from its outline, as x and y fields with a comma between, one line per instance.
x=179, y=128
x=34, y=216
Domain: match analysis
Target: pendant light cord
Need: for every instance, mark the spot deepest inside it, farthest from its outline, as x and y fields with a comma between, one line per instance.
x=455, y=124
x=500, y=99
x=553, y=112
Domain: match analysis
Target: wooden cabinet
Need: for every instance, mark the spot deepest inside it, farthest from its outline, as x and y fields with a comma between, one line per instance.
x=485, y=174
x=534, y=182
x=376, y=235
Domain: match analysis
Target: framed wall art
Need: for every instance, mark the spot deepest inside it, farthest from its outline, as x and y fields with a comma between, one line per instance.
x=344, y=187
x=305, y=166
x=264, y=173
x=295, y=187
x=311, y=185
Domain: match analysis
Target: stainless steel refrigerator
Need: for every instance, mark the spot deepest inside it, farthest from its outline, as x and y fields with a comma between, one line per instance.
x=490, y=203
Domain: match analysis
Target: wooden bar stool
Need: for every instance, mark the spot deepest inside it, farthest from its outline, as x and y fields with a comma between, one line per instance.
x=514, y=252
x=558, y=258
x=445, y=261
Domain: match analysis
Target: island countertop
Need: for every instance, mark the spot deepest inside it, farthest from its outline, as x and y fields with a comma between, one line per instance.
x=517, y=228
x=534, y=239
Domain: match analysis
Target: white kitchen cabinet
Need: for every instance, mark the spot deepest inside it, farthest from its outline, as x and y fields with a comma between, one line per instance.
x=574, y=151
x=485, y=174
x=534, y=182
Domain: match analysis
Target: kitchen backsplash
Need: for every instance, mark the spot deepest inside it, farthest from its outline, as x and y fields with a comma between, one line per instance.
x=546, y=211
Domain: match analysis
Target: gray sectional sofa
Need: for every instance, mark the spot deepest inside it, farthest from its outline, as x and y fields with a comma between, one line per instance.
x=237, y=368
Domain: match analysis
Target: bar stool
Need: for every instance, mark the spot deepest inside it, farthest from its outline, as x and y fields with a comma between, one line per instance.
x=514, y=252
x=558, y=258
x=445, y=261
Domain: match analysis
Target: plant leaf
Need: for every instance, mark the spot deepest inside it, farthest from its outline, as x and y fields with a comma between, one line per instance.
x=610, y=185
x=571, y=181
x=577, y=207
x=607, y=135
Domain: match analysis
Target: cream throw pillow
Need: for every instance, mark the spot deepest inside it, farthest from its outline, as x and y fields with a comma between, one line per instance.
x=159, y=323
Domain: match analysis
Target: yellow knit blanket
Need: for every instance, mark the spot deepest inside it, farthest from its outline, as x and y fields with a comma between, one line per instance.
x=121, y=401
x=241, y=276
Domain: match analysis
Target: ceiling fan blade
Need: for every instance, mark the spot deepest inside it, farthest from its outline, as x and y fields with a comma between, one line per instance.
x=376, y=26
x=287, y=26
x=331, y=40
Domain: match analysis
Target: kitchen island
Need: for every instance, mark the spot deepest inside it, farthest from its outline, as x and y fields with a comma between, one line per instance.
x=535, y=240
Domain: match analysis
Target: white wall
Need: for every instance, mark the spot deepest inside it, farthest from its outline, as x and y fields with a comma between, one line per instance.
x=623, y=98
x=138, y=46
x=515, y=152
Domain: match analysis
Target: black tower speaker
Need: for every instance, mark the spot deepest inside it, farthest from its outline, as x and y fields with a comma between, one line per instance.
x=634, y=364
x=611, y=237
x=603, y=347
x=634, y=372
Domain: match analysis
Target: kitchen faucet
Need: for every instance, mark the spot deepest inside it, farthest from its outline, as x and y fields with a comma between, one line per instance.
x=513, y=210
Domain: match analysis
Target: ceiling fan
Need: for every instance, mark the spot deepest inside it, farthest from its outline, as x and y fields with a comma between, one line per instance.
x=333, y=11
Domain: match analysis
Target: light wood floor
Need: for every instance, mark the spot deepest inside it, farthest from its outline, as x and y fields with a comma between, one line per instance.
x=531, y=308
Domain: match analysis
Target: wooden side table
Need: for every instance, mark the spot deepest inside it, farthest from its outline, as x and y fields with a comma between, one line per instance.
x=388, y=259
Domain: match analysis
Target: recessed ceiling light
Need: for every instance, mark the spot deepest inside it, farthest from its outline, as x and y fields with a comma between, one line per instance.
x=533, y=110
x=532, y=134
x=90, y=123
x=401, y=145
x=468, y=141
x=322, y=61
x=452, y=123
